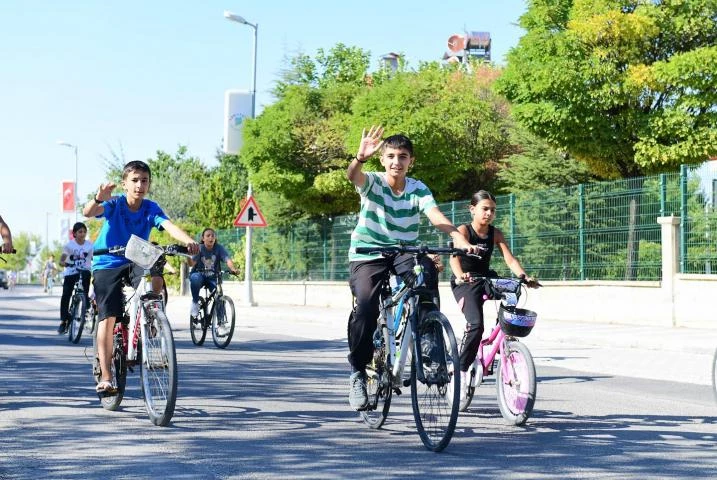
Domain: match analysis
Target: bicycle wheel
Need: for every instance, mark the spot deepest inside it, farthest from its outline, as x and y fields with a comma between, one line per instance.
x=198, y=325
x=223, y=320
x=516, y=383
x=118, y=374
x=714, y=375
x=158, y=370
x=435, y=409
x=378, y=385
x=78, y=309
x=164, y=294
x=90, y=318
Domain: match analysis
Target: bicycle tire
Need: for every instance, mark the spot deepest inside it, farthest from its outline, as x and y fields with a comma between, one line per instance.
x=516, y=394
x=164, y=294
x=378, y=385
x=118, y=374
x=90, y=318
x=223, y=320
x=714, y=375
x=158, y=369
x=435, y=410
x=78, y=309
x=198, y=326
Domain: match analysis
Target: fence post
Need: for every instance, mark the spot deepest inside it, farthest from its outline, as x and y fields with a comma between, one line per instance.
x=581, y=229
x=453, y=212
x=683, y=218
x=511, y=202
x=669, y=227
x=663, y=194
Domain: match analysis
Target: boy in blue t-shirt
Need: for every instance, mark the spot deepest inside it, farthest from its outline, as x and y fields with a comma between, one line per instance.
x=126, y=214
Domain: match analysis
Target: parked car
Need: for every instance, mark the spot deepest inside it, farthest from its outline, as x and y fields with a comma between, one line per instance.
x=3, y=279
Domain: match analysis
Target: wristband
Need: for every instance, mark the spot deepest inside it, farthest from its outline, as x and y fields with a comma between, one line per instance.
x=360, y=161
x=97, y=201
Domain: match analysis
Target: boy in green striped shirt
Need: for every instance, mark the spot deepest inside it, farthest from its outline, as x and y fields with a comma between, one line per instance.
x=391, y=204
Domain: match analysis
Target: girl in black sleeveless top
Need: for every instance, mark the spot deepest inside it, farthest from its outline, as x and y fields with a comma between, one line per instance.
x=470, y=295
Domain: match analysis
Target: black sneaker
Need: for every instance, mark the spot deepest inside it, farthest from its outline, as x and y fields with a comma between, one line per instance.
x=358, y=398
x=62, y=328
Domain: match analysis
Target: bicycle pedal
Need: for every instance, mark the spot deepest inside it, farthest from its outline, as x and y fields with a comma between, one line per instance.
x=407, y=383
x=397, y=390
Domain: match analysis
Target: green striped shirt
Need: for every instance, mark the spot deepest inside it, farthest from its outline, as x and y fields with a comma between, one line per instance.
x=386, y=219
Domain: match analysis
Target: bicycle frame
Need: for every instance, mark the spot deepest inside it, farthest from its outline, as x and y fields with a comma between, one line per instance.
x=142, y=299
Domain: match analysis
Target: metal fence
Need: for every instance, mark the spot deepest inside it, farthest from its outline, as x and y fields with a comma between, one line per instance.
x=597, y=231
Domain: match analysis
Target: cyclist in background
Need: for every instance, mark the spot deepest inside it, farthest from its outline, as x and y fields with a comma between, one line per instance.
x=6, y=235
x=391, y=204
x=77, y=253
x=48, y=270
x=205, y=265
x=469, y=296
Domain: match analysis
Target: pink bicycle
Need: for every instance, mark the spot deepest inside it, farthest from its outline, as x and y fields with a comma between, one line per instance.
x=503, y=353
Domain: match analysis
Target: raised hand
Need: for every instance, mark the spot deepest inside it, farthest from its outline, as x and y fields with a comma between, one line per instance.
x=104, y=193
x=370, y=142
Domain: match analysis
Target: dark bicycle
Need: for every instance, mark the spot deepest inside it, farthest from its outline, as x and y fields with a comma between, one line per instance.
x=411, y=330
x=78, y=307
x=217, y=310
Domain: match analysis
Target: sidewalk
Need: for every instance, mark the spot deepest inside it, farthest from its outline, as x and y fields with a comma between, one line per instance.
x=660, y=353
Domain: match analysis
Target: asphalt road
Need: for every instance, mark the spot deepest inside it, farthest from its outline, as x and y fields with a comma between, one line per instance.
x=273, y=405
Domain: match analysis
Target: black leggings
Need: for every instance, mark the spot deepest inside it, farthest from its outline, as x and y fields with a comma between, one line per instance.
x=472, y=296
x=67, y=286
x=365, y=283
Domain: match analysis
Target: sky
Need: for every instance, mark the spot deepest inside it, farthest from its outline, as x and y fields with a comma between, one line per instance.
x=133, y=77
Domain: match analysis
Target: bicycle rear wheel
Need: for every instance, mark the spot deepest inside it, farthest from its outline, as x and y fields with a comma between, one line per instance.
x=198, y=326
x=223, y=320
x=118, y=373
x=516, y=383
x=158, y=370
x=378, y=385
x=78, y=309
x=435, y=408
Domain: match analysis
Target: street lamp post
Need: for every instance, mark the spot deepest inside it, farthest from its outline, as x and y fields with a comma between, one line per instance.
x=248, y=293
x=74, y=147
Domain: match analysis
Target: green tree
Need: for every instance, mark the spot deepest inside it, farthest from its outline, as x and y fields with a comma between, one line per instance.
x=221, y=192
x=539, y=166
x=22, y=244
x=629, y=87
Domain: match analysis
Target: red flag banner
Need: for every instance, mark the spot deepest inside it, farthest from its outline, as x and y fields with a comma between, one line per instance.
x=68, y=197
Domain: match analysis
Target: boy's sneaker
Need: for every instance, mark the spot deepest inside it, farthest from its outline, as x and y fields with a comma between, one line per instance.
x=62, y=328
x=194, y=310
x=465, y=380
x=358, y=398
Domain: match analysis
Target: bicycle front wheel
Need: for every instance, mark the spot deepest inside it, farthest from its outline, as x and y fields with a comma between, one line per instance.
x=158, y=369
x=516, y=383
x=223, y=321
x=78, y=310
x=378, y=386
x=435, y=400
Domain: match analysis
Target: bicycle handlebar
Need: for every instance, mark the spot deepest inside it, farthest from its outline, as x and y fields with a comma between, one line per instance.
x=171, y=250
x=420, y=250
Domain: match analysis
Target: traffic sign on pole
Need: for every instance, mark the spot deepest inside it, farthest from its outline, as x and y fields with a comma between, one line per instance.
x=250, y=215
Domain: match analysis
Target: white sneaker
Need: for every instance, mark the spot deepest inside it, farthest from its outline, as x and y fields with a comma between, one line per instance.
x=195, y=309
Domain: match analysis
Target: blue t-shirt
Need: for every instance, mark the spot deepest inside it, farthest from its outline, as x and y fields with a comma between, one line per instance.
x=209, y=260
x=120, y=223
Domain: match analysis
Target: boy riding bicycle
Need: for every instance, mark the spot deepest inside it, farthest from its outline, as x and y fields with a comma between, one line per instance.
x=391, y=204
x=76, y=253
x=126, y=214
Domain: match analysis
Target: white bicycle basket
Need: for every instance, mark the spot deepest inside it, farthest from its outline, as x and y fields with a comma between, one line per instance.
x=142, y=252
